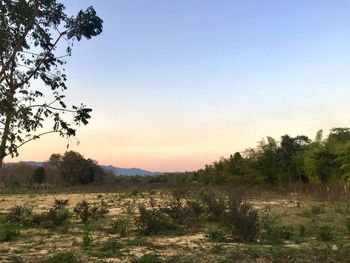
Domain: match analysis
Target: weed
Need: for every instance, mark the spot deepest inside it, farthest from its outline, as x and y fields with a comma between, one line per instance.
x=9, y=232
x=87, y=240
x=148, y=258
x=326, y=233
x=86, y=211
x=244, y=218
x=121, y=226
x=216, y=205
x=20, y=214
x=153, y=221
x=63, y=257
x=215, y=234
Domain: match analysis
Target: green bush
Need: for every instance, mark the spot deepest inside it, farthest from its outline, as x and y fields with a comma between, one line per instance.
x=63, y=257
x=121, y=225
x=148, y=258
x=58, y=215
x=215, y=205
x=87, y=240
x=153, y=221
x=326, y=233
x=20, y=214
x=9, y=232
x=86, y=211
x=215, y=233
x=243, y=218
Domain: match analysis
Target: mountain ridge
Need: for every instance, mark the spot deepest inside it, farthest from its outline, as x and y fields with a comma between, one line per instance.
x=114, y=169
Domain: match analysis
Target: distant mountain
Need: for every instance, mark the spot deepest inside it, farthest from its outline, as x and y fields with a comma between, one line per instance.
x=128, y=171
x=115, y=170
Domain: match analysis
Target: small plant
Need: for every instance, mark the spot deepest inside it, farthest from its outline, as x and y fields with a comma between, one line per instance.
x=121, y=226
x=111, y=248
x=348, y=224
x=9, y=232
x=20, y=214
x=317, y=209
x=326, y=233
x=148, y=258
x=152, y=220
x=215, y=234
x=216, y=205
x=86, y=211
x=63, y=257
x=87, y=239
x=244, y=218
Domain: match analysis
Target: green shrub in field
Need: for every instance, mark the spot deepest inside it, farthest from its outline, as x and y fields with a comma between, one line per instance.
x=215, y=234
x=121, y=225
x=9, y=232
x=111, y=248
x=87, y=239
x=326, y=233
x=183, y=212
x=63, y=257
x=215, y=205
x=317, y=209
x=151, y=221
x=347, y=224
x=148, y=258
x=274, y=232
x=243, y=218
x=57, y=215
x=20, y=214
x=86, y=211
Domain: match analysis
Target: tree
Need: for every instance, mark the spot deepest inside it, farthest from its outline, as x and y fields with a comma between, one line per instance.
x=75, y=169
x=39, y=175
x=30, y=49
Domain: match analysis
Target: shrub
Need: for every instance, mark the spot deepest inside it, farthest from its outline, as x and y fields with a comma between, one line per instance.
x=215, y=205
x=215, y=234
x=20, y=214
x=317, y=209
x=148, y=258
x=86, y=211
x=56, y=216
x=63, y=257
x=182, y=211
x=87, y=240
x=121, y=226
x=325, y=233
x=9, y=232
x=111, y=248
x=348, y=225
x=244, y=219
x=153, y=221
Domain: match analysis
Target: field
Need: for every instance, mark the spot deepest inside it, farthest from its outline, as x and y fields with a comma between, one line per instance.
x=202, y=225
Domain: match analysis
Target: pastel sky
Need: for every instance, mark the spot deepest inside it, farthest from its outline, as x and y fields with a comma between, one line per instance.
x=176, y=84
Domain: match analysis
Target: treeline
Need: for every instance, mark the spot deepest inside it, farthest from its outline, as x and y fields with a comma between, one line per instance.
x=68, y=169
x=289, y=159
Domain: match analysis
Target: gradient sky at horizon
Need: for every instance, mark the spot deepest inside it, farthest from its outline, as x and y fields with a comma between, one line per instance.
x=178, y=84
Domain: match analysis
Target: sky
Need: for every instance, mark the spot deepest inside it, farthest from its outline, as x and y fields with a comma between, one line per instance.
x=175, y=85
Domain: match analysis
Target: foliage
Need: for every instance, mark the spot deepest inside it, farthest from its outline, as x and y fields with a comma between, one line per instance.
x=215, y=233
x=39, y=175
x=215, y=205
x=9, y=232
x=152, y=221
x=244, y=219
x=86, y=211
x=326, y=233
x=148, y=258
x=87, y=239
x=121, y=225
x=20, y=214
x=31, y=33
x=63, y=257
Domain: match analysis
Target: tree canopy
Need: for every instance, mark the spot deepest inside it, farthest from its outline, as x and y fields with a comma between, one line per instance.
x=36, y=38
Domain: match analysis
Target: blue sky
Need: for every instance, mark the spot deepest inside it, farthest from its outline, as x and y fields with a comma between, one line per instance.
x=177, y=84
